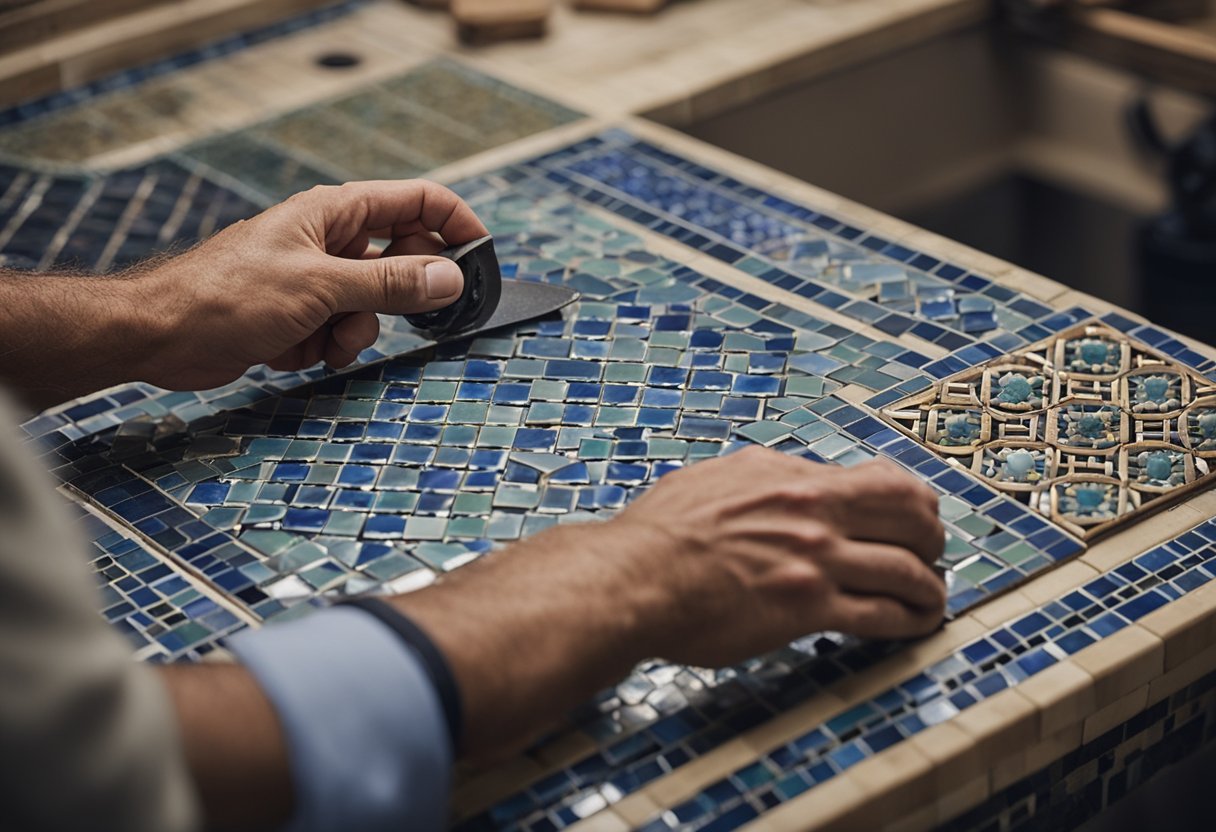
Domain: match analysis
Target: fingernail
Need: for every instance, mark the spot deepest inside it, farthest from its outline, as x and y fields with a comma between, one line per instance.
x=443, y=278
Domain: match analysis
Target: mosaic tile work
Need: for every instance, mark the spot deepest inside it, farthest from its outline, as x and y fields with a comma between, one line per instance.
x=431, y=116
x=162, y=613
x=103, y=223
x=892, y=287
x=1001, y=658
x=380, y=477
x=1089, y=427
x=429, y=461
x=73, y=98
x=1064, y=795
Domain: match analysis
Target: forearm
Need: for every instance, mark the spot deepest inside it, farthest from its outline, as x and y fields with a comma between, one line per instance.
x=233, y=744
x=65, y=335
x=529, y=638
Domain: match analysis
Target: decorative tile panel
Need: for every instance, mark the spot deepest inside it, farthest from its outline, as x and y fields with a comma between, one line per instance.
x=1090, y=427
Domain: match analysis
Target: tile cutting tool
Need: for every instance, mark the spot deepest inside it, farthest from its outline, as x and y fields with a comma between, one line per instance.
x=487, y=301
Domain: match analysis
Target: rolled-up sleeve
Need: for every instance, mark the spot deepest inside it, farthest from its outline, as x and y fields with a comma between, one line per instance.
x=365, y=728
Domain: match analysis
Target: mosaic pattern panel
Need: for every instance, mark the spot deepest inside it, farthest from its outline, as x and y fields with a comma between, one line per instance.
x=894, y=288
x=162, y=613
x=1001, y=658
x=398, y=129
x=429, y=460
x=1089, y=427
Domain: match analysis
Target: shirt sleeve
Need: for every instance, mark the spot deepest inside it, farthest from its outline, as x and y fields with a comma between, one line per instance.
x=88, y=737
x=365, y=728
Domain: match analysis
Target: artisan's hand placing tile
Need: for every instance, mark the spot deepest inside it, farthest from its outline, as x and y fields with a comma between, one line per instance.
x=719, y=562
x=294, y=286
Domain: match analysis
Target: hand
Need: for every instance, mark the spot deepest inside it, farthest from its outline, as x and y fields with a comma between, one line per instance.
x=298, y=284
x=721, y=561
x=780, y=547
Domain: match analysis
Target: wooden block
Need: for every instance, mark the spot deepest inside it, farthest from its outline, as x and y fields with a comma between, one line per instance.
x=1003, y=609
x=964, y=798
x=1000, y=725
x=838, y=804
x=1186, y=626
x=638, y=810
x=486, y=21
x=1116, y=713
x=1191, y=670
x=953, y=753
x=1052, y=748
x=631, y=6
x=897, y=780
x=1055, y=582
x=1122, y=663
x=1063, y=694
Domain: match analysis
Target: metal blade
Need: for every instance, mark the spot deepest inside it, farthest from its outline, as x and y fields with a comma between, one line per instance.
x=521, y=301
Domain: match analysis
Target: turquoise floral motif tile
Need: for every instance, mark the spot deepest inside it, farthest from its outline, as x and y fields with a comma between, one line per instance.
x=1090, y=427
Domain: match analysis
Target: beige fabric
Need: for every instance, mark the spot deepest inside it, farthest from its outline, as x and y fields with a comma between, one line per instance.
x=87, y=735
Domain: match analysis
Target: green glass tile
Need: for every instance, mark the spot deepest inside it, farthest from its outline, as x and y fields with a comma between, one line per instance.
x=241, y=493
x=628, y=349
x=223, y=518
x=395, y=502
x=515, y=496
x=799, y=418
x=425, y=528
x=545, y=413
x=397, y=478
x=469, y=503
x=975, y=525
x=474, y=527
x=832, y=445
x=617, y=416
x=704, y=450
x=663, y=357
x=524, y=368
x=668, y=448
x=502, y=414
x=670, y=339
x=625, y=373
x=978, y=571
x=355, y=409
x=267, y=542
x=322, y=474
x=468, y=413
x=505, y=527
x=391, y=566
x=736, y=363
x=439, y=555
x=493, y=436
x=436, y=391
x=595, y=449
x=812, y=386
x=765, y=433
x=460, y=436
x=1017, y=553
x=264, y=514
x=854, y=456
x=548, y=390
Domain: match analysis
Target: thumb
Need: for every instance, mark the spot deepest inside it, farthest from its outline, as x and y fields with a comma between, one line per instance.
x=397, y=285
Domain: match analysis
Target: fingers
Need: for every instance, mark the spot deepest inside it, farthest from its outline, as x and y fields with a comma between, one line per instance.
x=875, y=616
x=878, y=569
x=393, y=209
x=395, y=285
x=350, y=336
x=337, y=343
x=883, y=503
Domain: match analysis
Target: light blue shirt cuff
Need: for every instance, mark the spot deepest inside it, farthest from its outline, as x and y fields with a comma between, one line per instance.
x=365, y=729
